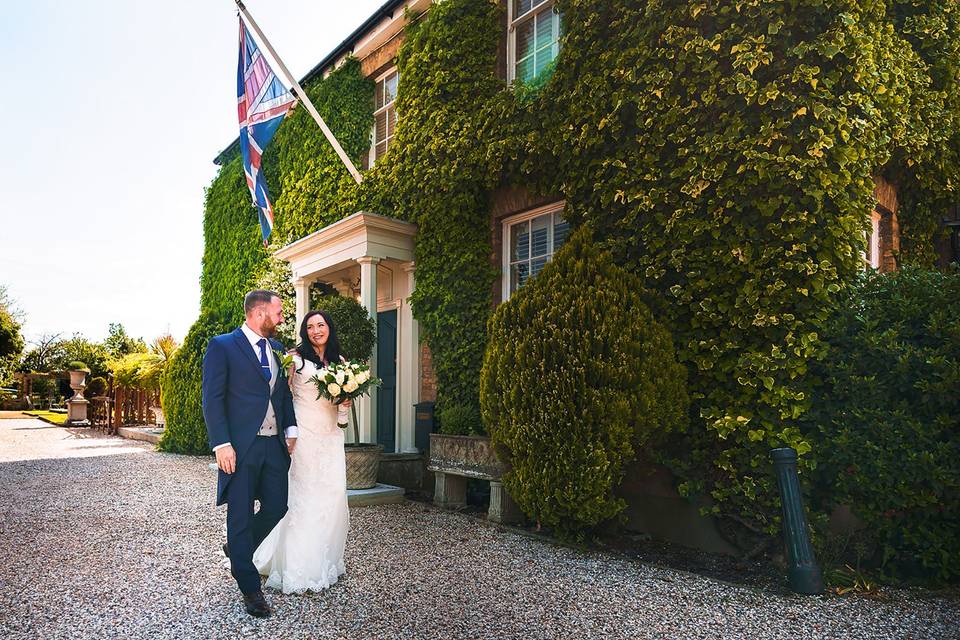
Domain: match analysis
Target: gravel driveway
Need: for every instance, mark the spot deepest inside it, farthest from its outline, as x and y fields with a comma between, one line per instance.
x=101, y=537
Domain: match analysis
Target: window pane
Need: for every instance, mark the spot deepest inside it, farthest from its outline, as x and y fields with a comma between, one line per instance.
x=519, y=241
x=525, y=34
x=525, y=69
x=381, y=123
x=381, y=149
x=544, y=29
x=390, y=88
x=537, y=265
x=519, y=273
x=522, y=7
x=538, y=236
x=560, y=230
x=378, y=94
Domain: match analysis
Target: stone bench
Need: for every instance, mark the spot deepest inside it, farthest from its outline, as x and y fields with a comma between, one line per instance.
x=454, y=460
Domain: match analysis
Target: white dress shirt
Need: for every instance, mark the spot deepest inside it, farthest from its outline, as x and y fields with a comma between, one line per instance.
x=269, y=425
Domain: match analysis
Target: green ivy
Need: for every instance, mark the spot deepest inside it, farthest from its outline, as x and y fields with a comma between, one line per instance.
x=724, y=152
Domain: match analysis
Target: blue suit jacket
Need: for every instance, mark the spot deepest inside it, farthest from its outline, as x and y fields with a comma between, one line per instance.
x=235, y=396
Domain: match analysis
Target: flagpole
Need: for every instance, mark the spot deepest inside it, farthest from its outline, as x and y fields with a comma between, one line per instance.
x=302, y=95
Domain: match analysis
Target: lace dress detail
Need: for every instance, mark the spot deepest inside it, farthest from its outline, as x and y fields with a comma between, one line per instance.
x=305, y=550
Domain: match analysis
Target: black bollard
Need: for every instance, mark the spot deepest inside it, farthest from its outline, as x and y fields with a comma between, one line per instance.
x=804, y=573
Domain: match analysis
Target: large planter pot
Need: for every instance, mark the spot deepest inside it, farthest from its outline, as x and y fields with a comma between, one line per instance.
x=77, y=379
x=363, y=462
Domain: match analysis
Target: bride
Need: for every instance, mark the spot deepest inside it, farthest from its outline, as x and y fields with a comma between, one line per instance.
x=305, y=550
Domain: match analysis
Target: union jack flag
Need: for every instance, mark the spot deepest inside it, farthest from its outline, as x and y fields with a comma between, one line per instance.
x=262, y=102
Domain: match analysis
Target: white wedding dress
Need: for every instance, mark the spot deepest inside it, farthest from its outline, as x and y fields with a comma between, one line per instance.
x=305, y=550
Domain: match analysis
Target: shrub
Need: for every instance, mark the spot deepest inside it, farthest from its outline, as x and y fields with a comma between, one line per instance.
x=138, y=370
x=577, y=377
x=356, y=330
x=886, y=417
x=96, y=388
x=460, y=419
x=185, y=431
x=76, y=365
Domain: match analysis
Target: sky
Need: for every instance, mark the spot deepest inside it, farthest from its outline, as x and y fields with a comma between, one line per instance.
x=112, y=113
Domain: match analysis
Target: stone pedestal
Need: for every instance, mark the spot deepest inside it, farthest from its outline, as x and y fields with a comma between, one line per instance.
x=77, y=405
x=502, y=507
x=450, y=491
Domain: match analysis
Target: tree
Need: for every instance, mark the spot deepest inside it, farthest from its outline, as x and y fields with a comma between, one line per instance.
x=46, y=353
x=119, y=344
x=11, y=343
x=79, y=348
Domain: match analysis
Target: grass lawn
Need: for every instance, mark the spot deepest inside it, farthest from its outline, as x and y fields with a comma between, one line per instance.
x=48, y=416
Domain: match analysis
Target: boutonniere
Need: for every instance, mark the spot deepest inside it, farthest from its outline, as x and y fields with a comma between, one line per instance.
x=285, y=360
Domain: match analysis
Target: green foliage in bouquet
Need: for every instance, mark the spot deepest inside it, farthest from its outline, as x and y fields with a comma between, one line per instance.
x=885, y=420
x=186, y=431
x=577, y=379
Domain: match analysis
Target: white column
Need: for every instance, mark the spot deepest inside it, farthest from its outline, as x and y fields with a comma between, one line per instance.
x=368, y=298
x=301, y=287
x=408, y=359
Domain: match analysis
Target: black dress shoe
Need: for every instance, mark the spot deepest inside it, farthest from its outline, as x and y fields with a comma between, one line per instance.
x=256, y=604
x=226, y=551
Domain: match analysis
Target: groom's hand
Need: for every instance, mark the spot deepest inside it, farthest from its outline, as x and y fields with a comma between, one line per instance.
x=227, y=459
x=291, y=445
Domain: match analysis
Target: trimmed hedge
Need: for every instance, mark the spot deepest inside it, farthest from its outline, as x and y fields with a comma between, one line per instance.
x=185, y=430
x=886, y=419
x=356, y=330
x=577, y=378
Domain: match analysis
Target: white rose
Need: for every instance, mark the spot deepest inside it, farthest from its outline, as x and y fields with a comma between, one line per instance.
x=339, y=376
x=333, y=389
x=363, y=376
x=351, y=386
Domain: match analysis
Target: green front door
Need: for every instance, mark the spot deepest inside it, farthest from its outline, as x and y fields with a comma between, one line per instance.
x=387, y=371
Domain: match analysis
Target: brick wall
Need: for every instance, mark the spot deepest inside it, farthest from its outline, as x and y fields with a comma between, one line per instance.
x=428, y=380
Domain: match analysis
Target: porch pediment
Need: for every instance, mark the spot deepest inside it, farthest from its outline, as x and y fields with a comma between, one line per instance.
x=343, y=243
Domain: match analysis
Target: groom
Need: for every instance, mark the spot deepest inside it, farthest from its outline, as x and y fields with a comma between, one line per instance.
x=251, y=427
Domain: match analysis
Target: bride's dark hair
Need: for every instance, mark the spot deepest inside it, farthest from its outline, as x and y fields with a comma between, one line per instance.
x=331, y=352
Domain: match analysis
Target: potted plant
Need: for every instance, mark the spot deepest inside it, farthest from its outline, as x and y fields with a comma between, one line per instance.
x=78, y=373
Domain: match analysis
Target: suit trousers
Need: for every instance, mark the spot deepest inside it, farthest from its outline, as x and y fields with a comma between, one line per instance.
x=260, y=475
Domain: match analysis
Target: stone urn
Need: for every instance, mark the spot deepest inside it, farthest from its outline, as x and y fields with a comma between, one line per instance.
x=77, y=405
x=363, y=463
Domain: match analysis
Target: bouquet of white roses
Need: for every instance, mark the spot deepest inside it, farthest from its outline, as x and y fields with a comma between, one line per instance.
x=339, y=381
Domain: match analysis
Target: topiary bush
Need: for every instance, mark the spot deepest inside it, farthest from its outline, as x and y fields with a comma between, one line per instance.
x=577, y=377
x=460, y=419
x=186, y=431
x=886, y=417
x=356, y=330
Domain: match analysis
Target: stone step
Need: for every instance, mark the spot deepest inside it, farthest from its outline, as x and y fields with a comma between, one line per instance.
x=149, y=434
x=379, y=494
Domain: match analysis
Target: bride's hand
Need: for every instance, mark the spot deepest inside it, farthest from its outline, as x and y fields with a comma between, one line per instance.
x=347, y=403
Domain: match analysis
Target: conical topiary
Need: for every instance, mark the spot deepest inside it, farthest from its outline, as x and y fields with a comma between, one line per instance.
x=577, y=376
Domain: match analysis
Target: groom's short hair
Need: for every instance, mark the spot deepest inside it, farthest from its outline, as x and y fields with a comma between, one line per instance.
x=256, y=298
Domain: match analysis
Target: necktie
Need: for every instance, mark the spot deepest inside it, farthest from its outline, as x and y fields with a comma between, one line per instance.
x=264, y=363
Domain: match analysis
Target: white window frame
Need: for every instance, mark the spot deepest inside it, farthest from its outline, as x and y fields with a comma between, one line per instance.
x=505, y=241
x=373, y=131
x=871, y=258
x=512, y=24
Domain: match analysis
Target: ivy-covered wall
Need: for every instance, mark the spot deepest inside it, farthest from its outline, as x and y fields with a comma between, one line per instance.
x=723, y=151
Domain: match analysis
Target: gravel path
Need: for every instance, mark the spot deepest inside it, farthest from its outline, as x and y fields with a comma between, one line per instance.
x=101, y=537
